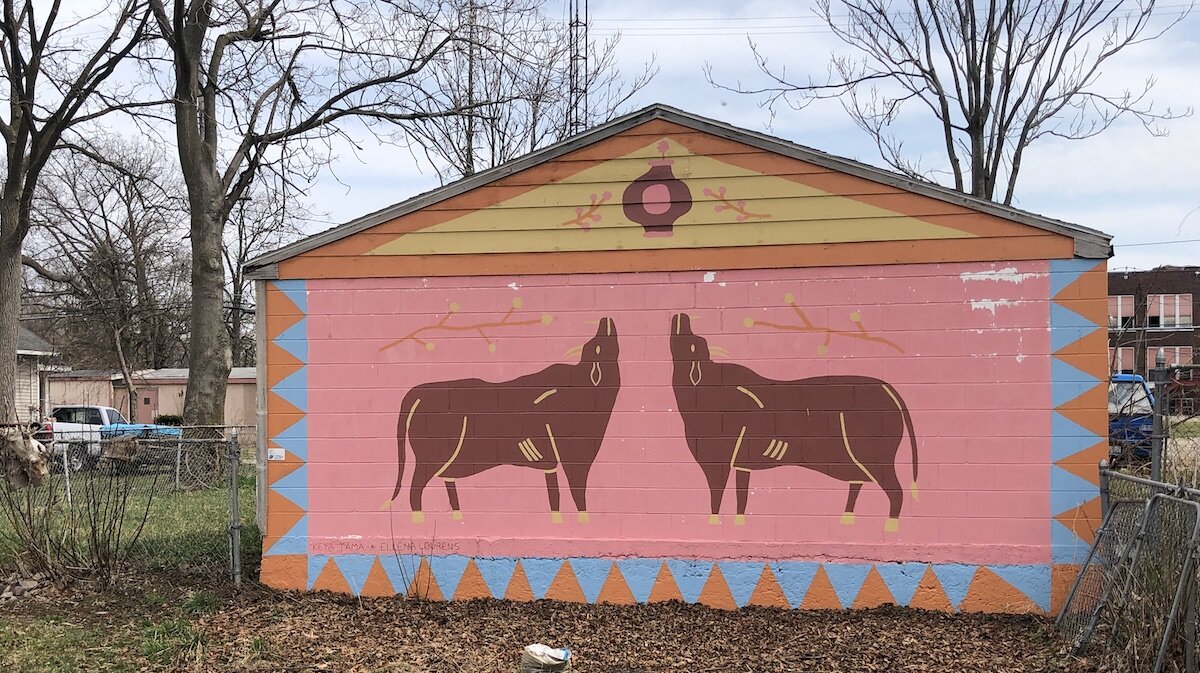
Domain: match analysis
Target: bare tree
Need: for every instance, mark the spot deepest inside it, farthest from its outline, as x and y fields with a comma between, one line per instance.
x=261, y=222
x=54, y=71
x=108, y=259
x=258, y=87
x=520, y=103
x=997, y=75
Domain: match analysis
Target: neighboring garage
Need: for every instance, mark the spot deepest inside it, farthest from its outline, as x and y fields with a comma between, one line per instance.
x=673, y=359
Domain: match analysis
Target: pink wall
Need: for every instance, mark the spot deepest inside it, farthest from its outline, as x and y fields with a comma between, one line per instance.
x=964, y=328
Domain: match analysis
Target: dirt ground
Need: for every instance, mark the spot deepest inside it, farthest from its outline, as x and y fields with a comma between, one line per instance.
x=167, y=626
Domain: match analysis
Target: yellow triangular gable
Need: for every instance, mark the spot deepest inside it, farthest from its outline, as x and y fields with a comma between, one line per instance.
x=730, y=206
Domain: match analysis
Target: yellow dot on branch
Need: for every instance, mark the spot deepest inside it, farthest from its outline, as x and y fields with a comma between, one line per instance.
x=748, y=322
x=430, y=346
x=855, y=316
x=547, y=318
x=453, y=306
x=516, y=303
x=491, y=348
x=789, y=298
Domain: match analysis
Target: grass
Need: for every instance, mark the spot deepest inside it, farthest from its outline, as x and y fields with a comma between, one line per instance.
x=29, y=644
x=183, y=528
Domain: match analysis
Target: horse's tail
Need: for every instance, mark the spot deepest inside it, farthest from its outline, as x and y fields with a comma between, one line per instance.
x=402, y=422
x=912, y=436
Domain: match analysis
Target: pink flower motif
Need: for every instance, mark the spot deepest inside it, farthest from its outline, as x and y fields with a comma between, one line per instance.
x=663, y=146
x=739, y=206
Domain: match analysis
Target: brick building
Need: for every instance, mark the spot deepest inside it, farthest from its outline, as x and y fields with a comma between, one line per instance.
x=1149, y=310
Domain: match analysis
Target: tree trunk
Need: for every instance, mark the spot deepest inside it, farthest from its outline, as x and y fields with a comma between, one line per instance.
x=235, y=319
x=10, y=313
x=208, y=342
x=126, y=373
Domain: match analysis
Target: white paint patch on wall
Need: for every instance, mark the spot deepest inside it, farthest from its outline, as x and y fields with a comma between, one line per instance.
x=1008, y=274
x=991, y=305
x=514, y=285
x=710, y=276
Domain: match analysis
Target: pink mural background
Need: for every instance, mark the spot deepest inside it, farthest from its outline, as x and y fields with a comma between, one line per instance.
x=984, y=448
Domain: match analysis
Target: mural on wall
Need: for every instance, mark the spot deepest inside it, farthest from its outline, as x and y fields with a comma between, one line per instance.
x=663, y=195
x=893, y=293
x=553, y=418
x=846, y=427
x=657, y=199
x=979, y=538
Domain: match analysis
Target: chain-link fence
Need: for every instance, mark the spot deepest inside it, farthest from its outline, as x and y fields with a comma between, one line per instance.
x=1180, y=409
x=1136, y=596
x=139, y=499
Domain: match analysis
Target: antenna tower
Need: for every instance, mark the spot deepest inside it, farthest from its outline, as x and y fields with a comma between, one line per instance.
x=577, y=24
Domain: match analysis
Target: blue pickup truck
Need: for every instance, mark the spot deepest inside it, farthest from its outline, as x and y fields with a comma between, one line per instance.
x=1130, y=419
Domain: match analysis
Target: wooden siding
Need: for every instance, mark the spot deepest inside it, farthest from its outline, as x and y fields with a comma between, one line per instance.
x=27, y=389
x=793, y=213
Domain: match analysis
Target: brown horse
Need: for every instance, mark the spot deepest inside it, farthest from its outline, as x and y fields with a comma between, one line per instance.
x=551, y=418
x=847, y=427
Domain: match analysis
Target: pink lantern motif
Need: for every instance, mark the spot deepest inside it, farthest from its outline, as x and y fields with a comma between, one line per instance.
x=657, y=199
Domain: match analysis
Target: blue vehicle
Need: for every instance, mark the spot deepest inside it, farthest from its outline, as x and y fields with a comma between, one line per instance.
x=1130, y=418
x=139, y=430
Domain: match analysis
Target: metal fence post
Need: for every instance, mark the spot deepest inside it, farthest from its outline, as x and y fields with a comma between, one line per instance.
x=1103, y=490
x=1189, y=630
x=1159, y=376
x=235, y=514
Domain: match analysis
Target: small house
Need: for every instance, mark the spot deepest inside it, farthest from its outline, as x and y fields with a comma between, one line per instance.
x=33, y=366
x=669, y=358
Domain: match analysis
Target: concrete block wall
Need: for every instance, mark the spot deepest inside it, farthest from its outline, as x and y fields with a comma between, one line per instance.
x=1002, y=424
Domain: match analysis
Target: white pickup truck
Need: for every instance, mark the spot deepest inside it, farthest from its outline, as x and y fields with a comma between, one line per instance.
x=72, y=433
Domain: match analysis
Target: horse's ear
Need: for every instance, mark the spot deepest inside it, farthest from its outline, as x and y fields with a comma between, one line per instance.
x=681, y=324
x=606, y=328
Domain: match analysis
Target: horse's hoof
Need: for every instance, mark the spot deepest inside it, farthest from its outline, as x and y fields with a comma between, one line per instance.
x=556, y=517
x=714, y=520
x=582, y=517
x=418, y=517
x=739, y=520
x=456, y=515
x=848, y=519
x=892, y=525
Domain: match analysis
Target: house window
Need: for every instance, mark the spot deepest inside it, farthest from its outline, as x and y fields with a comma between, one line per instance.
x=1120, y=311
x=1175, y=355
x=1120, y=359
x=1169, y=310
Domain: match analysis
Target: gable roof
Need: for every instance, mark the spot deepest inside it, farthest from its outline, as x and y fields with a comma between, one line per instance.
x=1088, y=243
x=29, y=343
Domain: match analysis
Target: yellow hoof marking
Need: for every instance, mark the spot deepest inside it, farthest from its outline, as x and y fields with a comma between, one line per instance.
x=556, y=517
x=456, y=515
x=915, y=494
x=387, y=504
x=891, y=526
x=739, y=520
x=582, y=517
x=418, y=517
x=848, y=519
x=714, y=520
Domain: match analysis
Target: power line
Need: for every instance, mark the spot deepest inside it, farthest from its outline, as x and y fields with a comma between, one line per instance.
x=810, y=25
x=1179, y=8
x=1138, y=245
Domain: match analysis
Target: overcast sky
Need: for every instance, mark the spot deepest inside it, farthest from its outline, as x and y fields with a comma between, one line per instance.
x=1139, y=188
